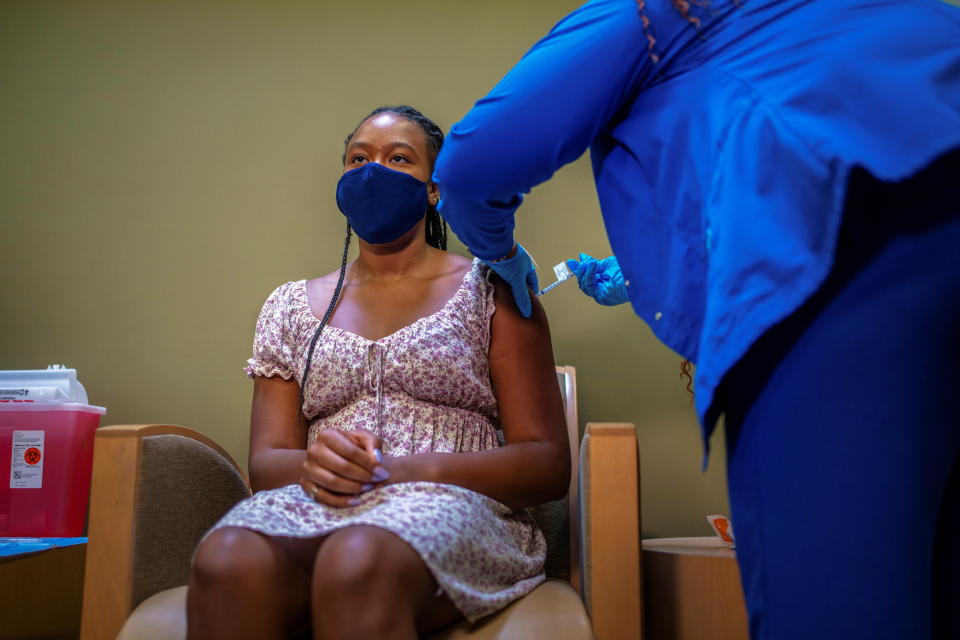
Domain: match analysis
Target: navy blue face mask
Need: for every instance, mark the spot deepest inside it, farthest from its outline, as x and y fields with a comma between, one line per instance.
x=380, y=203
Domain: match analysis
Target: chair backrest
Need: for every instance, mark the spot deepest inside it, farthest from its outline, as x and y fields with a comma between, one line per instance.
x=156, y=489
x=184, y=487
x=558, y=519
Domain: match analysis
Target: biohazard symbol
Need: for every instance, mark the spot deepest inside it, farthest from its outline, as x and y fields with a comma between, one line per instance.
x=32, y=456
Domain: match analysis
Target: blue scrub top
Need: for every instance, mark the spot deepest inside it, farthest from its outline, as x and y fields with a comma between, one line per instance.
x=722, y=168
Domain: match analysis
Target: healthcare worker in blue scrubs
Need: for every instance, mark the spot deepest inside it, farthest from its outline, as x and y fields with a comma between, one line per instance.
x=780, y=182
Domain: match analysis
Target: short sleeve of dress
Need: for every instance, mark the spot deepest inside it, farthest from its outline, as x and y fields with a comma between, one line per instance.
x=483, y=306
x=273, y=352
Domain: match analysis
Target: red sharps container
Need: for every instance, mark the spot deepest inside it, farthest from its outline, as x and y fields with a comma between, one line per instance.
x=46, y=453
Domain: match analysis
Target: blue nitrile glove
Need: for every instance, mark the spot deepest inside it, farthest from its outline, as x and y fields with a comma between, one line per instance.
x=602, y=280
x=518, y=272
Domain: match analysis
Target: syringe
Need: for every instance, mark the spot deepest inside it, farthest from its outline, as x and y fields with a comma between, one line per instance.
x=563, y=273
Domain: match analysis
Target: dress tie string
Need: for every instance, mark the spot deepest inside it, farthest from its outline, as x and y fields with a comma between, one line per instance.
x=373, y=375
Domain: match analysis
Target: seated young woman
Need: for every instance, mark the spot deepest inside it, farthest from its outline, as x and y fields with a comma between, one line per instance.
x=387, y=503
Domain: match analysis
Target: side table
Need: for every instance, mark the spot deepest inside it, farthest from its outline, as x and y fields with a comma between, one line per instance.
x=691, y=590
x=41, y=591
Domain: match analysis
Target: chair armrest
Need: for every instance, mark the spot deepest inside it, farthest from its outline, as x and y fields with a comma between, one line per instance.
x=130, y=490
x=610, y=530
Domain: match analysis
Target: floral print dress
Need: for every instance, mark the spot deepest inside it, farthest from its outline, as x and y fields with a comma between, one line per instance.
x=424, y=388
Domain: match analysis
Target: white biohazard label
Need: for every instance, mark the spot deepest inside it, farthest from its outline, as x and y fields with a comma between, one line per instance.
x=26, y=464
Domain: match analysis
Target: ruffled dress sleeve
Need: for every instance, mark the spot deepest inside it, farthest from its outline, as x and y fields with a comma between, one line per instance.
x=274, y=342
x=482, y=305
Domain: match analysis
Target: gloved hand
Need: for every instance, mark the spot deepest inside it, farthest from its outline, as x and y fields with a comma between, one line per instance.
x=602, y=280
x=519, y=273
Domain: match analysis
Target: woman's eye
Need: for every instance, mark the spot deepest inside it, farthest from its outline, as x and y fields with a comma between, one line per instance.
x=356, y=159
x=399, y=159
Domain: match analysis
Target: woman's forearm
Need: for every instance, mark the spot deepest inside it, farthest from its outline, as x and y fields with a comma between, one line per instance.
x=518, y=475
x=273, y=468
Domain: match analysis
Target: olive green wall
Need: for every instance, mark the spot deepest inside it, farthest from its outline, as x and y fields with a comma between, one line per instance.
x=164, y=166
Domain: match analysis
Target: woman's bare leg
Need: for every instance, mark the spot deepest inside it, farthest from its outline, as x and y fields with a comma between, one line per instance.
x=247, y=585
x=368, y=583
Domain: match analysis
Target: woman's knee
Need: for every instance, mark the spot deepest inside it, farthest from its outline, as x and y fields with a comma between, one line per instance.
x=361, y=559
x=229, y=554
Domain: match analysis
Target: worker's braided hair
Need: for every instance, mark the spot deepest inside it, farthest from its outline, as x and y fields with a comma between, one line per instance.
x=436, y=227
x=683, y=6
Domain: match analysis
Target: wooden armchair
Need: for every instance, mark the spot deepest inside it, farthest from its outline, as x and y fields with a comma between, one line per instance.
x=158, y=488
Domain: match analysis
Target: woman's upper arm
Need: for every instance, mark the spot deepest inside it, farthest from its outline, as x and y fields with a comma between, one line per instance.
x=545, y=113
x=523, y=373
x=275, y=419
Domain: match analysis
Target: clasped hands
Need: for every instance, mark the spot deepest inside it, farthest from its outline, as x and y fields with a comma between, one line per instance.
x=340, y=465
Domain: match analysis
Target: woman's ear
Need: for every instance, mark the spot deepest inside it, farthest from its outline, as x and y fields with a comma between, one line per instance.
x=433, y=193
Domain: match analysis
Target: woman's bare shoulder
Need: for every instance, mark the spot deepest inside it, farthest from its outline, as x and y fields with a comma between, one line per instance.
x=319, y=291
x=448, y=268
x=327, y=280
x=508, y=320
x=455, y=263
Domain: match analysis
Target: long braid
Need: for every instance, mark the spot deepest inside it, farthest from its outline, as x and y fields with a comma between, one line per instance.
x=326, y=318
x=436, y=230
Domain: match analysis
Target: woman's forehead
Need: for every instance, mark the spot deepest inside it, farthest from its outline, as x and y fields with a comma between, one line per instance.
x=386, y=120
x=393, y=125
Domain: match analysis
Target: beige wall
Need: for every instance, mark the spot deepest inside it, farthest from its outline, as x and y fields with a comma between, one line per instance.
x=163, y=168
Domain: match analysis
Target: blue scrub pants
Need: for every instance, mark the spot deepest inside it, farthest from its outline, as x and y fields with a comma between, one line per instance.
x=843, y=431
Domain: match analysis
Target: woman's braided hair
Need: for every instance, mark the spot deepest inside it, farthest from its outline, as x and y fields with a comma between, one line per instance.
x=436, y=227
